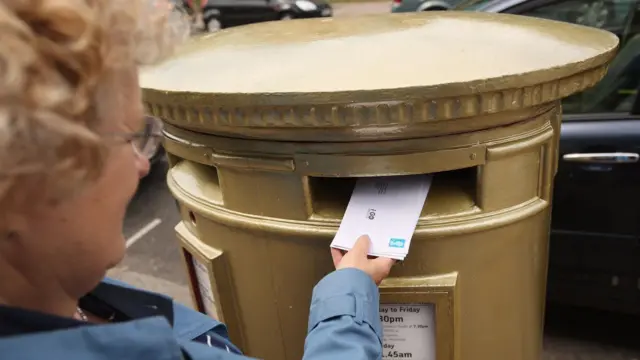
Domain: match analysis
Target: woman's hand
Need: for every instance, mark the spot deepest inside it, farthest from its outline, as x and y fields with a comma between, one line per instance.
x=357, y=257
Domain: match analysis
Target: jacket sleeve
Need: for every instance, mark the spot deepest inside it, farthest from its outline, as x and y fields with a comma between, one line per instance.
x=344, y=322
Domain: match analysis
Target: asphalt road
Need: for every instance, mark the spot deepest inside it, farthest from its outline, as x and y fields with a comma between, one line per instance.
x=152, y=259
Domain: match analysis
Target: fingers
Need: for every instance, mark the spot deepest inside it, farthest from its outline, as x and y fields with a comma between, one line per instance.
x=377, y=268
x=382, y=268
x=383, y=262
x=337, y=255
x=362, y=246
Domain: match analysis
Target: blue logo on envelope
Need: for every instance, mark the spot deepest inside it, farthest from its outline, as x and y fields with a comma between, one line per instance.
x=396, y=243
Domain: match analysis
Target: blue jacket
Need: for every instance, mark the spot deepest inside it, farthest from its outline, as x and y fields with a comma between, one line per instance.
x=344, y=323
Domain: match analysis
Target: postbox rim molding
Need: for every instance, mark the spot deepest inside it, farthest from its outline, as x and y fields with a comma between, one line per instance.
x=350, y=108
x=369, y=133
x=283, y=156
x=310, y=165
x=570, y=59
x=462, y=223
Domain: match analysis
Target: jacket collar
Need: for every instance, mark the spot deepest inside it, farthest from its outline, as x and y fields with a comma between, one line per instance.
x=107, y=300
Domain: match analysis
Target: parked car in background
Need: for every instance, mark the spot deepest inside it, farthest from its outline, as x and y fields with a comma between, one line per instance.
x=303, y=9
x=595, y=231
x=586, y=12
x=399, y=6
x=220, y=14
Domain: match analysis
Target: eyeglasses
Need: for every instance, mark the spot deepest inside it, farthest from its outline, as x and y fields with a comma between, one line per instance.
x=147, y=141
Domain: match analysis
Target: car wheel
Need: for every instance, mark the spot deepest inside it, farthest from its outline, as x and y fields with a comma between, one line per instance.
x=286, y=16
x=213, y=24
x=435, y=8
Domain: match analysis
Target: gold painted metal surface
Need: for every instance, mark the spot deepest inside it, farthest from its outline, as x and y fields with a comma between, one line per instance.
x=372, y=77
x=219, y=281
x=269, y=125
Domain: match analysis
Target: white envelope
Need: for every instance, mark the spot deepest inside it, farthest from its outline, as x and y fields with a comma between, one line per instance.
x=387, y=209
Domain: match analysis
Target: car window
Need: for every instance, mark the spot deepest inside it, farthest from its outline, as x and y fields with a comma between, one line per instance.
x=472, y=5
x=617, y=90
x=596, y=13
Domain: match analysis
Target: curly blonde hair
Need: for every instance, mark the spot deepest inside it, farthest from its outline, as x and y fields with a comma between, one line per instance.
x=55, y=55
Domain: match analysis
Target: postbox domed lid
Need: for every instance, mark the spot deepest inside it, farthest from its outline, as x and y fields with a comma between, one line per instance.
x=373, y=70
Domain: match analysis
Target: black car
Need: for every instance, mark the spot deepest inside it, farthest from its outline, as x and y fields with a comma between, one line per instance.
x=595, y=230
x=219, y=14
x=296, y=9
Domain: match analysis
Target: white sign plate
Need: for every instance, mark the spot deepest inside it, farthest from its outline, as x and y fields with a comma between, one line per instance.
x=409, y=331
x=204, y=287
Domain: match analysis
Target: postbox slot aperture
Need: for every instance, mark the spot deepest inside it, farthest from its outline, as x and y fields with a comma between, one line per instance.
x=199, y=180
x=452, y=192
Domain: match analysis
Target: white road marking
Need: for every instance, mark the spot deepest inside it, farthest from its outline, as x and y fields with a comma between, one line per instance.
x=142, y=232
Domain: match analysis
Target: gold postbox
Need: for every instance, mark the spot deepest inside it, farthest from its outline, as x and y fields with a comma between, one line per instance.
x=269, y=125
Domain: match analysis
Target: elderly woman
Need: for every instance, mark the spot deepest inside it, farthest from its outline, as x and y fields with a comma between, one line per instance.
x=73, y=139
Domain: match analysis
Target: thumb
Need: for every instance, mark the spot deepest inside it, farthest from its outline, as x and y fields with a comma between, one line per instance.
x=362, y=245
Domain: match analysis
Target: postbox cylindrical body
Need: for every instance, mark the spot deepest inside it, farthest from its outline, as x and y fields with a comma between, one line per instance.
x=269, y=126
